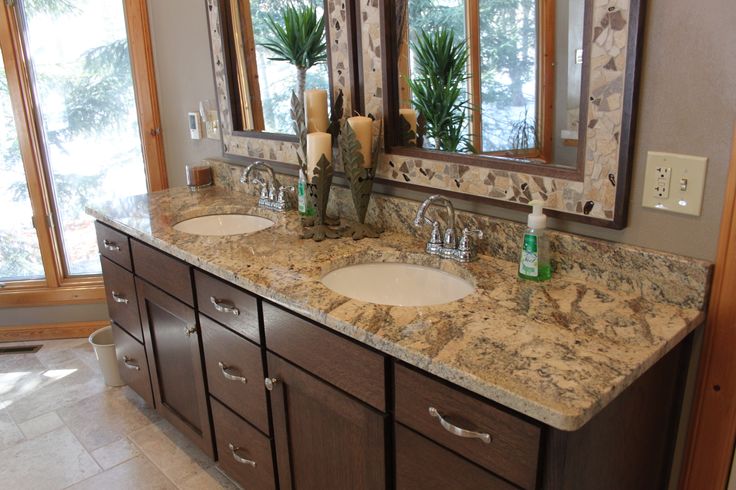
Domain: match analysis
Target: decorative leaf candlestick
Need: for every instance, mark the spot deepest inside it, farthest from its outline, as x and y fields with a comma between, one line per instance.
x=313, y=193
x=361, y=182
x=321, y=180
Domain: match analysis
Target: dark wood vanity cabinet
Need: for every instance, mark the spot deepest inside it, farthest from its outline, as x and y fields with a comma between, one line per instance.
x=177, y=376
x=282, y=402
x=324, y=438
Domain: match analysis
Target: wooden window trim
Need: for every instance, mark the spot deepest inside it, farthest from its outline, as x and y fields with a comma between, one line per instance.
x=545, y=84
x=146, y=95
x=57, y=287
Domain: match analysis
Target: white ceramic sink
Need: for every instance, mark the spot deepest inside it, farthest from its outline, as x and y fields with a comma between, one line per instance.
x=223, y=224
x=397, y=284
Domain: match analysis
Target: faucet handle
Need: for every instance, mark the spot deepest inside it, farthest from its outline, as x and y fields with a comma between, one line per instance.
x=466, y=241
x=282, y=190
x=436, y=236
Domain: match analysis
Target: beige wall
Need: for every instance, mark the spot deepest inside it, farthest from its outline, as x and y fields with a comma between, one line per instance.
x=687, y=105
x=184, y=78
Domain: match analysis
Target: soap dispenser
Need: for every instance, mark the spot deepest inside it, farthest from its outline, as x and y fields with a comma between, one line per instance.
x=534, y=263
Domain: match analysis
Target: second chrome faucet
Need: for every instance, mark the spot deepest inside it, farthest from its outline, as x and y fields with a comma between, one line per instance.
x=446, y=244
x=273, y=194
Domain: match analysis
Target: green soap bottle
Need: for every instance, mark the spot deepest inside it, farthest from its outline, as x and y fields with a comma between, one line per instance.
x=303, y=199
x=534, y=263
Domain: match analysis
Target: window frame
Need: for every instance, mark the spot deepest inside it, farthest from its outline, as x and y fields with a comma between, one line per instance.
x=58, y=287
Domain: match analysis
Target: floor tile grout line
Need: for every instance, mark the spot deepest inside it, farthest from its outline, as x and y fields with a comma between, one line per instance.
x=143, y=453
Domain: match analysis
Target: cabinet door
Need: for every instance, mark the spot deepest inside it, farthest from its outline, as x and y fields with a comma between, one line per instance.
x=324, y=438
x=173, y=347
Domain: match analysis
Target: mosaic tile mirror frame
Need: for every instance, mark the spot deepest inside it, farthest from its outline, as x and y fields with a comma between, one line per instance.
x=595, y=192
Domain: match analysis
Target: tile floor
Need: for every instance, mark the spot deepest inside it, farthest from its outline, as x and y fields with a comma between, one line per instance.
x=61, y=427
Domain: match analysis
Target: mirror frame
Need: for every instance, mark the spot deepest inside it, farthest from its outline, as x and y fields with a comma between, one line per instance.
x=596, y=191
x=341, y=69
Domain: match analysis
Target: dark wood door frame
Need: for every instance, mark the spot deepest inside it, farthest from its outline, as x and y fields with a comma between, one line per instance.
x=712, y=433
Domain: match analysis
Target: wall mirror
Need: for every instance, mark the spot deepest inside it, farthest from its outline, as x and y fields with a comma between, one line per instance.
x=514, y=99
x=263, y=70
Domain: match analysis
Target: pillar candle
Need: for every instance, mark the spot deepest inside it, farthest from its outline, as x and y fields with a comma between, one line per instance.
x=363, y=128
x=318, y=144
x=315, y=110
x=411, y=117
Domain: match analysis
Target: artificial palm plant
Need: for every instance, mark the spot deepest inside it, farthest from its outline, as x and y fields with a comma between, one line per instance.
x=300, y=40
x=438, y=88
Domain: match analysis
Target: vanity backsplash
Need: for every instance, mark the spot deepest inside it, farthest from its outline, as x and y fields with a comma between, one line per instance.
x=659, y=276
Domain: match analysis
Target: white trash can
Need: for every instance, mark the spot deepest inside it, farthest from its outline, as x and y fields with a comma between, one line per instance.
x=104, y=347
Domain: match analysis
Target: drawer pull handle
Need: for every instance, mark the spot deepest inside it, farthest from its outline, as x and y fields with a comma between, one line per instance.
x=111, y=246
x=455, y=430
x=224, y=306
x=234, y=450
x=270, y=382
x=190, y=330
x=130, y=364
x=224, y=368
x=119, y=298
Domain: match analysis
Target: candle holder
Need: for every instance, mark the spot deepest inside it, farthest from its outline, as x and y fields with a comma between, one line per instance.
x=361, y=182
x=321, y=183
x=300, y=129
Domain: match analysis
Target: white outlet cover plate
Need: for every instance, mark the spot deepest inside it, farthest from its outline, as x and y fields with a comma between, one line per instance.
x=687, y=167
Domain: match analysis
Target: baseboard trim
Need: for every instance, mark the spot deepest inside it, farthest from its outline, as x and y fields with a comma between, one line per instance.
x=50, y=331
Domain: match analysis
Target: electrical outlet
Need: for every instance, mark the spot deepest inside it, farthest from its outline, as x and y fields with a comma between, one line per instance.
x=663, y=182
x=688, y=174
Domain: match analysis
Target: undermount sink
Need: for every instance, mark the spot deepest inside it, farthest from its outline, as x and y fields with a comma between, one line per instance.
x=397, y=284
x=223, y=224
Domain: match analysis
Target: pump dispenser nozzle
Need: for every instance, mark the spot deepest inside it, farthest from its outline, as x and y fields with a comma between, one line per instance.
x=537, y=220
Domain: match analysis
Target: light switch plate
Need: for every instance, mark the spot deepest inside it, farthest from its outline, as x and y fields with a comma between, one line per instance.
x=684, y=178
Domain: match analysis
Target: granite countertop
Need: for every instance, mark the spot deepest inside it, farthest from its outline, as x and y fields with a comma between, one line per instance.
x=557, y=352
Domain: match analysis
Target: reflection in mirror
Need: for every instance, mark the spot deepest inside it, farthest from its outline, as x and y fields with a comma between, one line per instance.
x=270, y=45
x=518, y=93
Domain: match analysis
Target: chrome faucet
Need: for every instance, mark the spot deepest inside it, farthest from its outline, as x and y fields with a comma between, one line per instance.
x=446, y=245
x=273, y=194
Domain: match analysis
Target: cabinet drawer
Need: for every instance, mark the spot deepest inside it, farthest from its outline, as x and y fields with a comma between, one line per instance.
x=423, y=465
x=338, y=361
x=235, y=372
x=239, y=444
x=122, y=302
x=228, y=305
x=166, y=272
x=132, y=363
x=114, y=245
x=513, y=449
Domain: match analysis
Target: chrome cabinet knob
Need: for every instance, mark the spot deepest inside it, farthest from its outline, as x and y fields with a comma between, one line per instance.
x=270, y=382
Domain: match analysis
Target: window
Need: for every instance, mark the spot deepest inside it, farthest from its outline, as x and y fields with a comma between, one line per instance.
x=509, y=69
x=70, y=135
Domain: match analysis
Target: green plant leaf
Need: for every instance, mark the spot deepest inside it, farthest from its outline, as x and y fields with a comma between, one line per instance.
x=300, y=40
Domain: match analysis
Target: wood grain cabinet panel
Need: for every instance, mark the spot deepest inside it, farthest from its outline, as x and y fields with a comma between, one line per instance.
x=114, y=245
x=177, y=377
x=122, y=301
x=228, y=305
x=243, y=453
x=513, y=447
x=324, y=438
x=339, y=361
x=423, y=465
x=132, y=363
x=235, y=372
x=163, y=271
